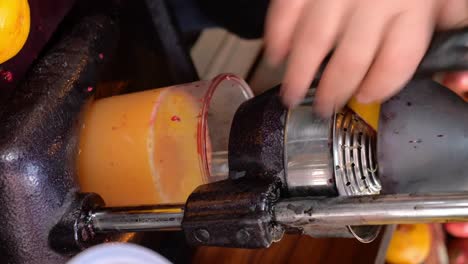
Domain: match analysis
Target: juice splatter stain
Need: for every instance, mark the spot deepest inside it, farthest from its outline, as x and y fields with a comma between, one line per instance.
x=6, y=75
x=175, y=118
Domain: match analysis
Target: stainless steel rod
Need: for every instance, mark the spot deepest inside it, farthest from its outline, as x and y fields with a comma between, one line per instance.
x=135, y=219
x=339, y=211
x=374, y=210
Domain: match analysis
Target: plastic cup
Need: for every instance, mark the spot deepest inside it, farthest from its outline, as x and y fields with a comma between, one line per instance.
x=157, y=146
x=118, y=253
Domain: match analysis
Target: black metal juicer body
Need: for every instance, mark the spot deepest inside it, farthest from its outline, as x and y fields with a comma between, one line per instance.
x=92, y=43
x=45, y=219
x=261, y=199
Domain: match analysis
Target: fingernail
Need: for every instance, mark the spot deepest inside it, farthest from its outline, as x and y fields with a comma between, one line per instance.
x=288, y=100
x=363, y=99
x=324, y=111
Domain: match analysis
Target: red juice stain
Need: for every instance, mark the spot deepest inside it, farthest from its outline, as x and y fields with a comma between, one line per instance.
x=6, y=75
x=175, y=118
x=101, y=56
x=199, y=140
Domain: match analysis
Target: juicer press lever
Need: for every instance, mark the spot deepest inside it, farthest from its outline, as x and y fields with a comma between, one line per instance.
x=448, y=52
x=289, y=214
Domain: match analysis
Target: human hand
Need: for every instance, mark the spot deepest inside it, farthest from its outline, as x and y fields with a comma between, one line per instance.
x=377, y=45
x=458, y=83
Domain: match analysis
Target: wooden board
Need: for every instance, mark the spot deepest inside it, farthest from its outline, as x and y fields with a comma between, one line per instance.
x=294, y=249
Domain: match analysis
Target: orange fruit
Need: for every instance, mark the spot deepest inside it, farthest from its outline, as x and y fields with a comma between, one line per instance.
x=14, y=27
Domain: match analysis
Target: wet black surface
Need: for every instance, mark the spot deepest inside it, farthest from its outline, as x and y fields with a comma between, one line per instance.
x=256, y=141
x=38, y=142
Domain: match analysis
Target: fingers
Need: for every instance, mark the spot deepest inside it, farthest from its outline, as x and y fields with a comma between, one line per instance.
x=454, y=13
x=380, y=45
x=351, y=59
x=280, y=23
x=458, y=83
x=403, y=48
x=315, y=35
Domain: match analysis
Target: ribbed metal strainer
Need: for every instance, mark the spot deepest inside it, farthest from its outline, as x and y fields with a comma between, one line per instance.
x=331, y=157
x=354, y=155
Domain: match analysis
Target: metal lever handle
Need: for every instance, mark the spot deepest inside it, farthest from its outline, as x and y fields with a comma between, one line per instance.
x=448, y=52
x=374, y=210
x=137, y=219
x=339, y=211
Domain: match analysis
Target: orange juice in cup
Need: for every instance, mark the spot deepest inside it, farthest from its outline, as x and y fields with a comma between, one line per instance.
x=157, y=146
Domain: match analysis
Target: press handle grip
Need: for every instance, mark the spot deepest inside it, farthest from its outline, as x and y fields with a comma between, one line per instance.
x=448, y=52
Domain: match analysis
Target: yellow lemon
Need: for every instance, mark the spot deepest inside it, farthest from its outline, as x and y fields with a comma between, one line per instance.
x=14, y=27
x=368, y=112
x=410, y=244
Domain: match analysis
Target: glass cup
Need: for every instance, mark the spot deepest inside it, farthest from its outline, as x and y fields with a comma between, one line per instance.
x=157, y=146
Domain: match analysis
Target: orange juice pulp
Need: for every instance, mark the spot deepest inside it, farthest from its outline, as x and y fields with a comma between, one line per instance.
x=141, y=148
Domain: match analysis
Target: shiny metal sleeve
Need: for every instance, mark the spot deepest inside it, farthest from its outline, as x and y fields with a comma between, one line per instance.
x=374, y=210
x=135, y=219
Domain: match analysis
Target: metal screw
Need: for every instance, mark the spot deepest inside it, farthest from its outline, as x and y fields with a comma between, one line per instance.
x=201, y=235
x=243, y=236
